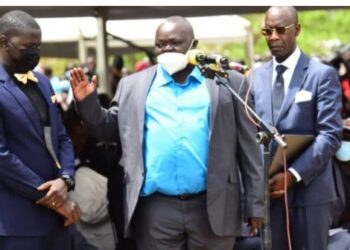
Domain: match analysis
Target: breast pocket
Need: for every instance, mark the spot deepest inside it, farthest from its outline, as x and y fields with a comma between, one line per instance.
x=303, y=110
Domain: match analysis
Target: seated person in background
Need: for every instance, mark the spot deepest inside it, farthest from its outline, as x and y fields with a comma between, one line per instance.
x=103, y=159
x=91, y=186
x=91, y=195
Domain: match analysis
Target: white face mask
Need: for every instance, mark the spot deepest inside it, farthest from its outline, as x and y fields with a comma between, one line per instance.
x=173, y=62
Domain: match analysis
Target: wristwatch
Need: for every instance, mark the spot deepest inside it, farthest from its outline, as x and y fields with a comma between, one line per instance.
x=69, y=181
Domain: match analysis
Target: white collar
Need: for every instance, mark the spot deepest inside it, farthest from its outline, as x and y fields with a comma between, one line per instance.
x=291, y=61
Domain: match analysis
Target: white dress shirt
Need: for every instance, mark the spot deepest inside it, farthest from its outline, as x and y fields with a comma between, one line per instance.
x=290, y=63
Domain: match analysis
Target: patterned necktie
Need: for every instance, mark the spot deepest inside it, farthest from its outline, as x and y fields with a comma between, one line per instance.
x=278, y=91
x=24, y=77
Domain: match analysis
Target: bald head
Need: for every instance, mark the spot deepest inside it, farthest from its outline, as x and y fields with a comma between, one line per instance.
x=174, y=34
x=174, y=37
x=289, y=12
x=180, y=23
x=14, y=22
x=282, y=26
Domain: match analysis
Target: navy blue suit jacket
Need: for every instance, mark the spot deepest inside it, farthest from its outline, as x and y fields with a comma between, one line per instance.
x=312, y=105
x=25, y=162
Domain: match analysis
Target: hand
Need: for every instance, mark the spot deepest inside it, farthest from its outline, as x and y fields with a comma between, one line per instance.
x=276, y=184
x=57, y=194
x=70, y=211
x=254, y=223
x=80, y=85
x=346, y=123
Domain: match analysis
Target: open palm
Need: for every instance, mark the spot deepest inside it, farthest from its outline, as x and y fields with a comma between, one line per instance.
x=80, y=84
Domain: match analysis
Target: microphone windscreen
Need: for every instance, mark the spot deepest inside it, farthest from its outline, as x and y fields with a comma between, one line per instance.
x=192, y=56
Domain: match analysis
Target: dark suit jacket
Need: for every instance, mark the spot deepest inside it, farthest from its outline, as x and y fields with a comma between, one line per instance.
x=232, y=148
x=312, y=105
x=25, y=162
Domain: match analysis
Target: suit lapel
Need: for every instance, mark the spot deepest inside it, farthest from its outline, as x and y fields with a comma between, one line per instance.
x=48, y=101
x=143, y=87
x=47, y=97
x=213, y=90
x=297, y=80
x=23, y=101
x=264, y=82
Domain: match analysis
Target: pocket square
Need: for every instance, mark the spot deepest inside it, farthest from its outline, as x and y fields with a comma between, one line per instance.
x=303, y=96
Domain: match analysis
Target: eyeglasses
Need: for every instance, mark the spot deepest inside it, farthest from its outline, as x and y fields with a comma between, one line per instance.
x=279, y=30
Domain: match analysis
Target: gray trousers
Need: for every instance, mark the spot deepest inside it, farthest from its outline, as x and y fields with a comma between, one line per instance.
x=168, y=223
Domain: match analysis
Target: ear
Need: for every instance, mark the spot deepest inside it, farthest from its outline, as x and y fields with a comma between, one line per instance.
x=3, y=41
x=194, y=44
x=297, y=29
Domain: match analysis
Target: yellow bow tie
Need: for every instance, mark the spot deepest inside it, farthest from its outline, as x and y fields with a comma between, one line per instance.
x=24, y=77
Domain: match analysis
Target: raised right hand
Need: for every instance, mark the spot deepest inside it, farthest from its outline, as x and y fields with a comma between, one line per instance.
x=80, y=84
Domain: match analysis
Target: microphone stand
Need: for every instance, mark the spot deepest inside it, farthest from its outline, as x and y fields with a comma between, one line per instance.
x=263, y=137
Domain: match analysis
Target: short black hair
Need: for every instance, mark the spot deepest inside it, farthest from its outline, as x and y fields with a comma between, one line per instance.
x=15, y=21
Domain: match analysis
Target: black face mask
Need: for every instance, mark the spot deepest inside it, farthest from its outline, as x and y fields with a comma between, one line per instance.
x=27, y=60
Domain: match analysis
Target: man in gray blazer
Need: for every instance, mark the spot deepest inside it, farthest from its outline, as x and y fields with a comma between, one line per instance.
x=185, y=141
x=311, y=105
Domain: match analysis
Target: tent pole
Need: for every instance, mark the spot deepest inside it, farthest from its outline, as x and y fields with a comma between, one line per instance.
x=101, y=54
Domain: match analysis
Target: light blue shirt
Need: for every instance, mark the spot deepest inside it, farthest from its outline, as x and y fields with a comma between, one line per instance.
x=176, y=135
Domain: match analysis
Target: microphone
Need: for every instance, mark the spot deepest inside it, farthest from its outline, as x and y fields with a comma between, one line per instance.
x=196, y=56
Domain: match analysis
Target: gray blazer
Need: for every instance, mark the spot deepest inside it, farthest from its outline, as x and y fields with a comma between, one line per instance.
x=233, y=152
